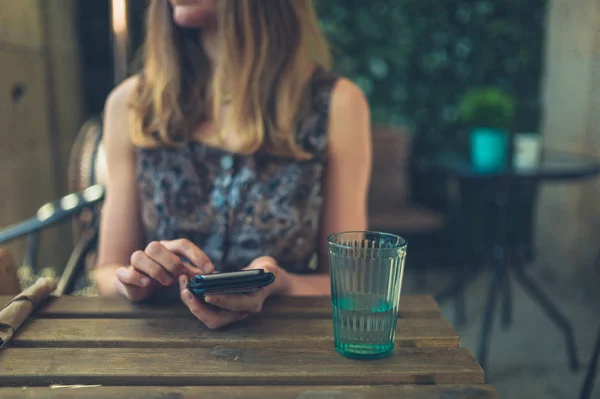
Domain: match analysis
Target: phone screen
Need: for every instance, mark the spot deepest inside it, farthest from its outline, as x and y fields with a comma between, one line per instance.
x=243, y=273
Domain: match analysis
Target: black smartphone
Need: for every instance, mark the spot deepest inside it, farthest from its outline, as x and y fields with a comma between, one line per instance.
x=230, y=283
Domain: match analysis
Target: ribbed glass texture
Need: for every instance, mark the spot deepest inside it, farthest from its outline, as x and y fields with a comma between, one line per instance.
x=366, y=271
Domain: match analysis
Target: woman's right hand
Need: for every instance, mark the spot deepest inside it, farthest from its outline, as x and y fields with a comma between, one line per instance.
x=160, y=264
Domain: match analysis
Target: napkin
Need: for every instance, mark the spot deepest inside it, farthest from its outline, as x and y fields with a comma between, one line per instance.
x=20, y=307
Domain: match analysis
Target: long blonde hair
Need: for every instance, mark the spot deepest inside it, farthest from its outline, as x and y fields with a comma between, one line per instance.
x=265, y=50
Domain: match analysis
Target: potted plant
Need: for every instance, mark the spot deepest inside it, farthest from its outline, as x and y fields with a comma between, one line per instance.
x=489, y=113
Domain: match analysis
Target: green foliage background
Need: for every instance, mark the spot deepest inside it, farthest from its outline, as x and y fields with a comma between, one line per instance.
x=416, y=58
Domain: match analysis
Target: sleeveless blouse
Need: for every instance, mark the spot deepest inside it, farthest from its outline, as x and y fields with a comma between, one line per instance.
x=238, y=207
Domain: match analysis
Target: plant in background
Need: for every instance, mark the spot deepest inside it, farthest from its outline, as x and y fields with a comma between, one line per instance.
x=487, y=107
x=489, y=113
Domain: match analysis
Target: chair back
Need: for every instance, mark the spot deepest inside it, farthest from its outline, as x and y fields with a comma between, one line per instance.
x=87, y=167
x=390, y=186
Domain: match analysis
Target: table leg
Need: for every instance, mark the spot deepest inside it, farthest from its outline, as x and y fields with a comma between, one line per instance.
x=458, y=286
x=499, y=272
x=588, y=384
x=552, y=312
x=457, y=291
x=507, y=302
x=488, y=317
x=460, y=311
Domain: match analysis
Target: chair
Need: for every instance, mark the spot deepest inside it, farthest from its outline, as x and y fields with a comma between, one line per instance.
x=87, y=178
x=390, y=207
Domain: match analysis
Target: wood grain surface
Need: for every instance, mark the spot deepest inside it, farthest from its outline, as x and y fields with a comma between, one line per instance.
x=252, y=392
x=161, y=351
x=229, y=366
x=173, y=333
x=411, y=306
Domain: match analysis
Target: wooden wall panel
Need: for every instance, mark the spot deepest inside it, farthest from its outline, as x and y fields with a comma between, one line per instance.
x=40, y=113
x=21, y=24
x=64, y=70
x=26, y=173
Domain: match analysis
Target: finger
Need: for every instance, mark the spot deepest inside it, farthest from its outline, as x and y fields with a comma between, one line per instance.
x=164, y=257
x=133, y=293
x=264, y=262
x=130, y=276
x=195, y=255
x=213, y=319
x=143, y=263
x=269, y=265
x=132, y=284
x=252, y=303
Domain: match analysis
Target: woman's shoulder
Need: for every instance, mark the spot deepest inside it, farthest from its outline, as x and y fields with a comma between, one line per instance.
x=339, y=90
x=340, y=112
x=119, y=96
x=117, y=116
x=336, y=94
x=349, y=114
x=347, y=96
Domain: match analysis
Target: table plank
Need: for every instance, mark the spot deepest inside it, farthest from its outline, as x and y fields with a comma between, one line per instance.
x=227, y=366
x=171, y=333
x=411, y=306
x=250, y=392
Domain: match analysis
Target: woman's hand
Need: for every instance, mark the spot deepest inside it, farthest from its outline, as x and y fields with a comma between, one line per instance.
x=160, y=264
x=229, y=308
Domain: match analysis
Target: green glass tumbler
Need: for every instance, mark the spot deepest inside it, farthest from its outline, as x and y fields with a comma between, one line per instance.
x=366, y=270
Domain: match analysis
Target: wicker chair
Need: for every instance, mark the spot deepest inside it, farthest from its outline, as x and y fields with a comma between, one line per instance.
x=87, y=178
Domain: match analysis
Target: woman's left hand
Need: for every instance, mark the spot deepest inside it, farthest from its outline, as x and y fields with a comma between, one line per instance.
x=229, y=308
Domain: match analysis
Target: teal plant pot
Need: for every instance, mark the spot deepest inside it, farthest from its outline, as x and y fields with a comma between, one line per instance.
x=489, y=148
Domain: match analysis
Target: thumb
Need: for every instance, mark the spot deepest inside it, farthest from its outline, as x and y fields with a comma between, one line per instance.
x=264, y=262
x=191, y=270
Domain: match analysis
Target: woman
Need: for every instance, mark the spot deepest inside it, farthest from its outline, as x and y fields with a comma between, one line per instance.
x=234, y=149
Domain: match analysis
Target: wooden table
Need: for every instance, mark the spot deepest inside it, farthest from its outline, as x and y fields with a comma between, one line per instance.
x=161, y=351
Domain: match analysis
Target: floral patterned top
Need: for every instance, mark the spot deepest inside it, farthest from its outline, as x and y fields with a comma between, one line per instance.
x=239, y=207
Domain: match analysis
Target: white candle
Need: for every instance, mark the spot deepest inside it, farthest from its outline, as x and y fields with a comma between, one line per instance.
x=527, y=150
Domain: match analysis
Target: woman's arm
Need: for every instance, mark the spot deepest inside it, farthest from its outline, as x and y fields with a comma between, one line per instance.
x=124, y=266
x=120, y=225
x=346, y=181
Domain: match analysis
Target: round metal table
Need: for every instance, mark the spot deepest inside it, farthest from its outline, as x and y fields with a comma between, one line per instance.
x=555, y=167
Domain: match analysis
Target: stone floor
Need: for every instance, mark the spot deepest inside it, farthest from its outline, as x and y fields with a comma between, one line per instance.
x=529, y=360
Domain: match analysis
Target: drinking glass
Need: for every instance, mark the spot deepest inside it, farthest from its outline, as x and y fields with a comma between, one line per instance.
x=366, y=270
